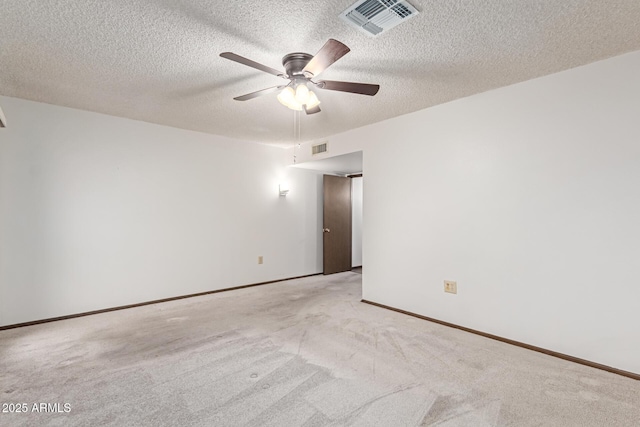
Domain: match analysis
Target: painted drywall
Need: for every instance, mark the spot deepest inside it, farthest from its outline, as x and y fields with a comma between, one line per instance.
x=98, y=211
x=527, y=196
x=356, y=221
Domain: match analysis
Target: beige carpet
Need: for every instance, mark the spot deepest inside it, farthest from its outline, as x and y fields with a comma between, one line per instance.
x=299, y=353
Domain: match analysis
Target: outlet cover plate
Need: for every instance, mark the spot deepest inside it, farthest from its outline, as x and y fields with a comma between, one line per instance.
x=450, y=287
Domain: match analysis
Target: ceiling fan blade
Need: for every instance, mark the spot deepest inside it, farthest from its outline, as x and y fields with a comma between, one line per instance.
x=313, y=110
x=360, y=88
x=328, y=54
x=259, y=93
x=242, y=60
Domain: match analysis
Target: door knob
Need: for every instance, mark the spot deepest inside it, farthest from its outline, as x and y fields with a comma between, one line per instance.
x=326, y=230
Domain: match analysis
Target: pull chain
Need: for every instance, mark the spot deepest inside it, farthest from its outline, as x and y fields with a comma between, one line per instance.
x=296, y=133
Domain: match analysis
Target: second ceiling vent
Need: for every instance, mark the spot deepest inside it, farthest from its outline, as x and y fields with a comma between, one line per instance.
x=319, y=148
x=374, y=17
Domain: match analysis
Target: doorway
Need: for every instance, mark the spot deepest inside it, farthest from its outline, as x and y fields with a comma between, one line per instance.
x=346, y=165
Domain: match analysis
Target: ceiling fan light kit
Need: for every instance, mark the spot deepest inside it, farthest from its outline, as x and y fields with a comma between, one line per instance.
x=302, y=93
x=300, y=69
x=298, y=99
x=288, y=98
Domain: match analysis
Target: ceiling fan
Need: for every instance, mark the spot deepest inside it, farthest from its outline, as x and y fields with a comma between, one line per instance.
x=300, y=69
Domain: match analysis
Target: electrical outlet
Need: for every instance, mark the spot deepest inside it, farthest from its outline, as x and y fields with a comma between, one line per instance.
x=260, y=260
x=450, y=287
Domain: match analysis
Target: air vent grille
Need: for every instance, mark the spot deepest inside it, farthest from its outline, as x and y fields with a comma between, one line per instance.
x=401, y=10
x=370, y=8
x=374, y=17
x=319, y=148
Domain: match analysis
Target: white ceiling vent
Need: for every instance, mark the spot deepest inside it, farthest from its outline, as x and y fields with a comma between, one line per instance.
x=319, y=148
x=374, y=17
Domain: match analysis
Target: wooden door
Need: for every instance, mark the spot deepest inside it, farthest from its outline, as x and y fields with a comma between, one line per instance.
x=337, y=224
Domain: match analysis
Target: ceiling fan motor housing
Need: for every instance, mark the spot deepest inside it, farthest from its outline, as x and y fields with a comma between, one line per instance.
x=295, y=62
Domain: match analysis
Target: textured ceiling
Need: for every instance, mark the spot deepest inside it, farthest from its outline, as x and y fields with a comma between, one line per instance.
x=157, y=60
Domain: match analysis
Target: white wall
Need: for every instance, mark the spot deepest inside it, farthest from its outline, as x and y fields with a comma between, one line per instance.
x=98, y=211
x=356, y=222
x=528, y=196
